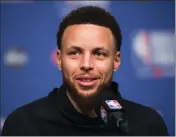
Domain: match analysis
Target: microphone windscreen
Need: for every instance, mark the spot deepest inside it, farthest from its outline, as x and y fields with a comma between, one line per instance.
x=105, y=94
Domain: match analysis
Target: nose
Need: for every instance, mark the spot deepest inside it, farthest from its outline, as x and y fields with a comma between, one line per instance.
x=86, y=63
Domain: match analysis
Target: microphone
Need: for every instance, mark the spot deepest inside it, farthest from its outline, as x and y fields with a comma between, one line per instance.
x=110, y=111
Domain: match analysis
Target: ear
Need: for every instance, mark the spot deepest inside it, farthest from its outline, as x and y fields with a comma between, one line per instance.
x=59, y=62
x=117, y=61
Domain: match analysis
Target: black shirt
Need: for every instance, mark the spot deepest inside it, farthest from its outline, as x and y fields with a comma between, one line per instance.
x=54, y=115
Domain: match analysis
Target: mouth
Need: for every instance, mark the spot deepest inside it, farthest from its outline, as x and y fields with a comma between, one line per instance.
x=87, y=81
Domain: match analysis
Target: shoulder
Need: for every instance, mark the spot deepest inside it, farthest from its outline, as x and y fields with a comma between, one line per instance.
x=20, y=121
x=39, y=106
x=26, y=109
x=146, y=117
x=29, y=108
x=24, y=120
x=134, y=107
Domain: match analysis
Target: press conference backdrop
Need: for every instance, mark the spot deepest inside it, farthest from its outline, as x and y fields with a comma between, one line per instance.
x=28, y=52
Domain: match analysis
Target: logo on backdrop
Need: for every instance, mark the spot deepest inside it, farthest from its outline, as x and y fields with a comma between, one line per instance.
x=152, y=54
x=64, y=7
x=15, y=57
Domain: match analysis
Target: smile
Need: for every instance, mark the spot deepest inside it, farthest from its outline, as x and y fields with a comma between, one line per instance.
x=86, y=81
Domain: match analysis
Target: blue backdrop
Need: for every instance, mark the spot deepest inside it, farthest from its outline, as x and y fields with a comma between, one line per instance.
x=28, y=43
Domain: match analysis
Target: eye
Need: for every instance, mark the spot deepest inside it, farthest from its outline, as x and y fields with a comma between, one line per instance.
x=75, y=52
x=100, y=54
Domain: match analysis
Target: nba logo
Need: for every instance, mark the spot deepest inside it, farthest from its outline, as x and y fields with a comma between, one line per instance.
x=113, y=104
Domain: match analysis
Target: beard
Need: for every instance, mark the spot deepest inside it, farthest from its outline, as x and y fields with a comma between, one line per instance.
x=73, y=89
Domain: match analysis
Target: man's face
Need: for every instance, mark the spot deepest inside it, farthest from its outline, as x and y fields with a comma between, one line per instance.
x=87, y=59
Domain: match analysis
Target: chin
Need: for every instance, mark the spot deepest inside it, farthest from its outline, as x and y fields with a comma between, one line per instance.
x=87, y=93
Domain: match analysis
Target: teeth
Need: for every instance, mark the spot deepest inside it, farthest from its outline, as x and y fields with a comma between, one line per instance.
x=86, y=79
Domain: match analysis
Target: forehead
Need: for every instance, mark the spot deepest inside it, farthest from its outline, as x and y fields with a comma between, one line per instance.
x=87, y=35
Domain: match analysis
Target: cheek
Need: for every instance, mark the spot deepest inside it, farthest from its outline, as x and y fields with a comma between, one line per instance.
x=69, y=67
x=105, y=68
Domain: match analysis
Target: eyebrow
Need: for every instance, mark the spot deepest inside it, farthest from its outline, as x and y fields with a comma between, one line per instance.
x=80, y=48
x=75, y=47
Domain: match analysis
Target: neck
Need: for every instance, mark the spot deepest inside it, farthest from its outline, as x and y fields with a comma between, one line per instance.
x=82, y=106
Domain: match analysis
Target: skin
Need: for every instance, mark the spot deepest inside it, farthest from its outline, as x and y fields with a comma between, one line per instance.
x=88, y=53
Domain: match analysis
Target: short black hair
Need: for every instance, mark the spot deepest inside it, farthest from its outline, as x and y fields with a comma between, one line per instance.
x=90, y=15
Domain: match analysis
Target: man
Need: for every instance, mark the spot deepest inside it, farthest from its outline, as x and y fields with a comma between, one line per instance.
x=89, y=41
